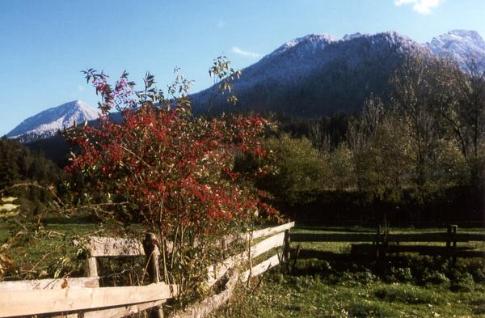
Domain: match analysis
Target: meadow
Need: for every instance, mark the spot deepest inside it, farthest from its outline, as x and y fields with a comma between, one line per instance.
x=357, y=294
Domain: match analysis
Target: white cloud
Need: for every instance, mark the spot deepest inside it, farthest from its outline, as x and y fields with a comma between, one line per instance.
x=420, y=6
x=81, y=88
x=244, y=53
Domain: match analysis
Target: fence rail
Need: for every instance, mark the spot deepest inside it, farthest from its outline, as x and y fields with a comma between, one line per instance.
x=401, y=237
x=382, y=243
x=60, y=283
x=35, y=302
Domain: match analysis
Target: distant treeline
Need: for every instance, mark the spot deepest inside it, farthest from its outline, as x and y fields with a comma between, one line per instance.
x=27, y=175
x=417, y=157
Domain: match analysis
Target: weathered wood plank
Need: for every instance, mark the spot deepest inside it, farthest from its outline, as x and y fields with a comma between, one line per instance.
x=110, y=246
x=332, y=237
x=367, y=237
x=216, y=271
x=272, y=230
x=261, y=267
x=435, y=237
x=210, y=304
x=258, y=233
x=50, y=283
x=123, y=311
x=66, y=316
x=92, y=267
x=150, y=245
x=311, y=253
x=469, y=237
x=34, y=302
x=268, y=244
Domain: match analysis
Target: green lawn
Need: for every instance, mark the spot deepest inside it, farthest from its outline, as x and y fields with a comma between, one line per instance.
x=280, y=295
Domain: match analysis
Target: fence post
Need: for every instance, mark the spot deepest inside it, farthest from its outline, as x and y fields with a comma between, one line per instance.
x=451, y=241
x=286, y=250
x=150, y=245
x=250, y=256
x=448, y=237
x=224, y=247
x=378, y=241
x=92, y=267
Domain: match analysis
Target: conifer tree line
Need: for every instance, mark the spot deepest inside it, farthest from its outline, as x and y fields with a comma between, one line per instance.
x=27, y=175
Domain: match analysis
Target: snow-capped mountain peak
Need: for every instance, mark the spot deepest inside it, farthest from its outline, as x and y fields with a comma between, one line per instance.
x=352, y=36
x=461, y=45
x=318, y=75
x=469, y=37
x=49, y=122
x=308, y=42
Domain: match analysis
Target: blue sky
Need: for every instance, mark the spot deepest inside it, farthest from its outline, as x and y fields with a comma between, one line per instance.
x=45, y=44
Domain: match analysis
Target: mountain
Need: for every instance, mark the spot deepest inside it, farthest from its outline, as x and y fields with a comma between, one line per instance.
x=461, y=45
x=48, y=122
x=311, y=76
x=317, y=75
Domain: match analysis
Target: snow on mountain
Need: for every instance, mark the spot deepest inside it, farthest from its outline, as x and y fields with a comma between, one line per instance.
x=309, y=43
x=352, y=36
x=48, y=122
x=297, y=58
x=289, y=62
x=289, y=68
x=461, y=45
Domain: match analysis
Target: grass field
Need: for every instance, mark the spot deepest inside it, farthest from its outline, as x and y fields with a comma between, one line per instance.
x=280, y=295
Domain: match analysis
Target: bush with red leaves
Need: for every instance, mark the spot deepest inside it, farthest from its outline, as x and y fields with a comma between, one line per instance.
x=161, y=166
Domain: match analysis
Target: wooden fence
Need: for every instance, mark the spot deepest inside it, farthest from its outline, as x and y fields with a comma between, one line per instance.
x=383, y=243
x=83, y=297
